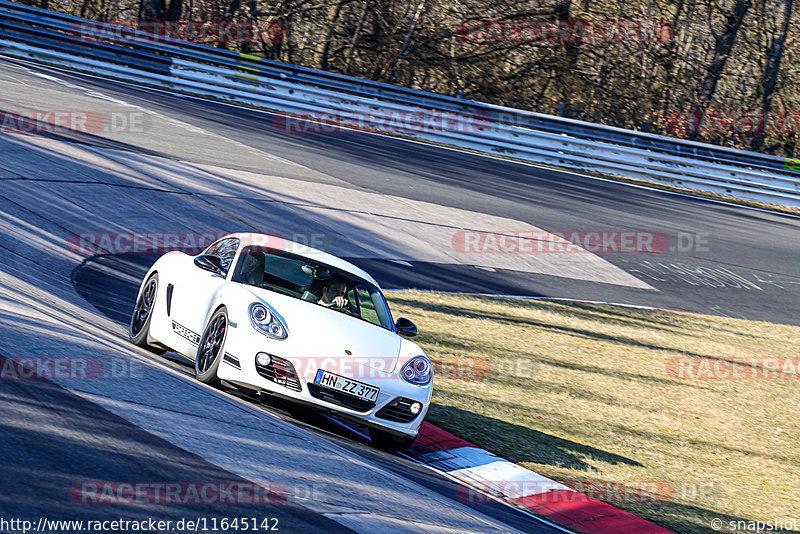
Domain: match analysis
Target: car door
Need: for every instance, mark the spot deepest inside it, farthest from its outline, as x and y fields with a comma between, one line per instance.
x=194, y=294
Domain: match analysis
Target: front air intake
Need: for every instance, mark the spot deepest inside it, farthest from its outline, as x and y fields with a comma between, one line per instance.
x=400, y=410
x=278, y=370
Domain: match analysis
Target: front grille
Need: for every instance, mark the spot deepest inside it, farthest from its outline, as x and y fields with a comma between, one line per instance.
x=399, y=410
x=341, y=399
x=280, y=371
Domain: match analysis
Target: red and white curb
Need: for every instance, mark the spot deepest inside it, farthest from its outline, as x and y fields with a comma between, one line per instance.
x=489, y=473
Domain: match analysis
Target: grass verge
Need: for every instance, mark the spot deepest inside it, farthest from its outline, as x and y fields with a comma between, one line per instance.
x=609, y=399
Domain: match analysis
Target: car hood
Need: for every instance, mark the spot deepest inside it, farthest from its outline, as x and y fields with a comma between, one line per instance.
x=321, y=337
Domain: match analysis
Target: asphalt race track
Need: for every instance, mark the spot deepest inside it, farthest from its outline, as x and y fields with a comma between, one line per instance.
x=394, y=207
x=145, y=419
x=722, y=259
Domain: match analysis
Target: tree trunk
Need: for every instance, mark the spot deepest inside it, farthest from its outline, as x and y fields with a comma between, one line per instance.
x=247, y=47
x=774, y=53
x=670, y=64
x=151, y=10
x=233, y=8
x=324, y=45
x=175, y=10
x=563, y=13
x=356, y=35
x=722, y=50
x=404, y=46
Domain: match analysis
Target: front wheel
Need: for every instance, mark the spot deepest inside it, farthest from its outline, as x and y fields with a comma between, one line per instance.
x=389, y=442
x=211, y=347
x=142, y=315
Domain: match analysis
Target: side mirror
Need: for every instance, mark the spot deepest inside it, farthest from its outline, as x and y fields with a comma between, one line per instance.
x=405, y=327
x=209, y=263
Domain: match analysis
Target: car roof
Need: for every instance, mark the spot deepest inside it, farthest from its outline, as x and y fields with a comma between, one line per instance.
x=300, y=249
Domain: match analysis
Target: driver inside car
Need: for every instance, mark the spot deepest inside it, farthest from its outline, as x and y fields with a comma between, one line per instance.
x=333, y=296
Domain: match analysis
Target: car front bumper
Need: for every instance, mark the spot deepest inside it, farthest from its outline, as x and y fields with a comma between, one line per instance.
x=239, y=367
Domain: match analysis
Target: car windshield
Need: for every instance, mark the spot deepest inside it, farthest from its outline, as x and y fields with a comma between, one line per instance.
x=312, y=281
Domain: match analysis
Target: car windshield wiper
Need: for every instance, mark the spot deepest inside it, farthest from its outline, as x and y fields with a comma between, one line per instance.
x=359, y=316
x=279, y=289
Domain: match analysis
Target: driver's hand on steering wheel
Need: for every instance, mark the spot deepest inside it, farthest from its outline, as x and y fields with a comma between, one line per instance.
x=339, y=302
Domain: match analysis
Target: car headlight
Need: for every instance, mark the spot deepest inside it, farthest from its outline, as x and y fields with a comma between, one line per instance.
x=417, y=371
x=267, y=322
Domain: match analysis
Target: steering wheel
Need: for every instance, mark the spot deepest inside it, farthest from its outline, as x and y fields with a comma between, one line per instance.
x=349, y=309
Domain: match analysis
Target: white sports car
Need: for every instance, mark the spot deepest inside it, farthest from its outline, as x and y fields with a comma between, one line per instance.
x=275, y=316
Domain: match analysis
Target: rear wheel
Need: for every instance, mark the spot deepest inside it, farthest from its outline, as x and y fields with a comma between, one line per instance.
x=143, y=314
x=389, y=442
x=211, y=348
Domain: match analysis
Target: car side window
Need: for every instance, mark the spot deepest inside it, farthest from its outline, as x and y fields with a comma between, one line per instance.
x=225, y=249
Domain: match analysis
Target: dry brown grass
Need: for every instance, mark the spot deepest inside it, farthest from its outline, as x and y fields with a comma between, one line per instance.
x=582, y=393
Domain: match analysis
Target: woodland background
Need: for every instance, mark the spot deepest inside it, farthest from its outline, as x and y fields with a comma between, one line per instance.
x=724, y=75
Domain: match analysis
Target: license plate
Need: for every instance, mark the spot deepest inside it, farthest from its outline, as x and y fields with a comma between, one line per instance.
x=346, y=385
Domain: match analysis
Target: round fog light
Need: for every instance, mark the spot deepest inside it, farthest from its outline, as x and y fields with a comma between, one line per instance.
x=263, y=359
x=415, y=408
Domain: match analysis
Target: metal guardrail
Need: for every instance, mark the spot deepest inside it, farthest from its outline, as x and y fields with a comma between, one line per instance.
x=194, y=51
x=39, y=35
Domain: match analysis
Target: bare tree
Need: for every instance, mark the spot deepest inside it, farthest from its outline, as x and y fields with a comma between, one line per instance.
x=727, y=53
x=774, y=55
x=723, y=45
